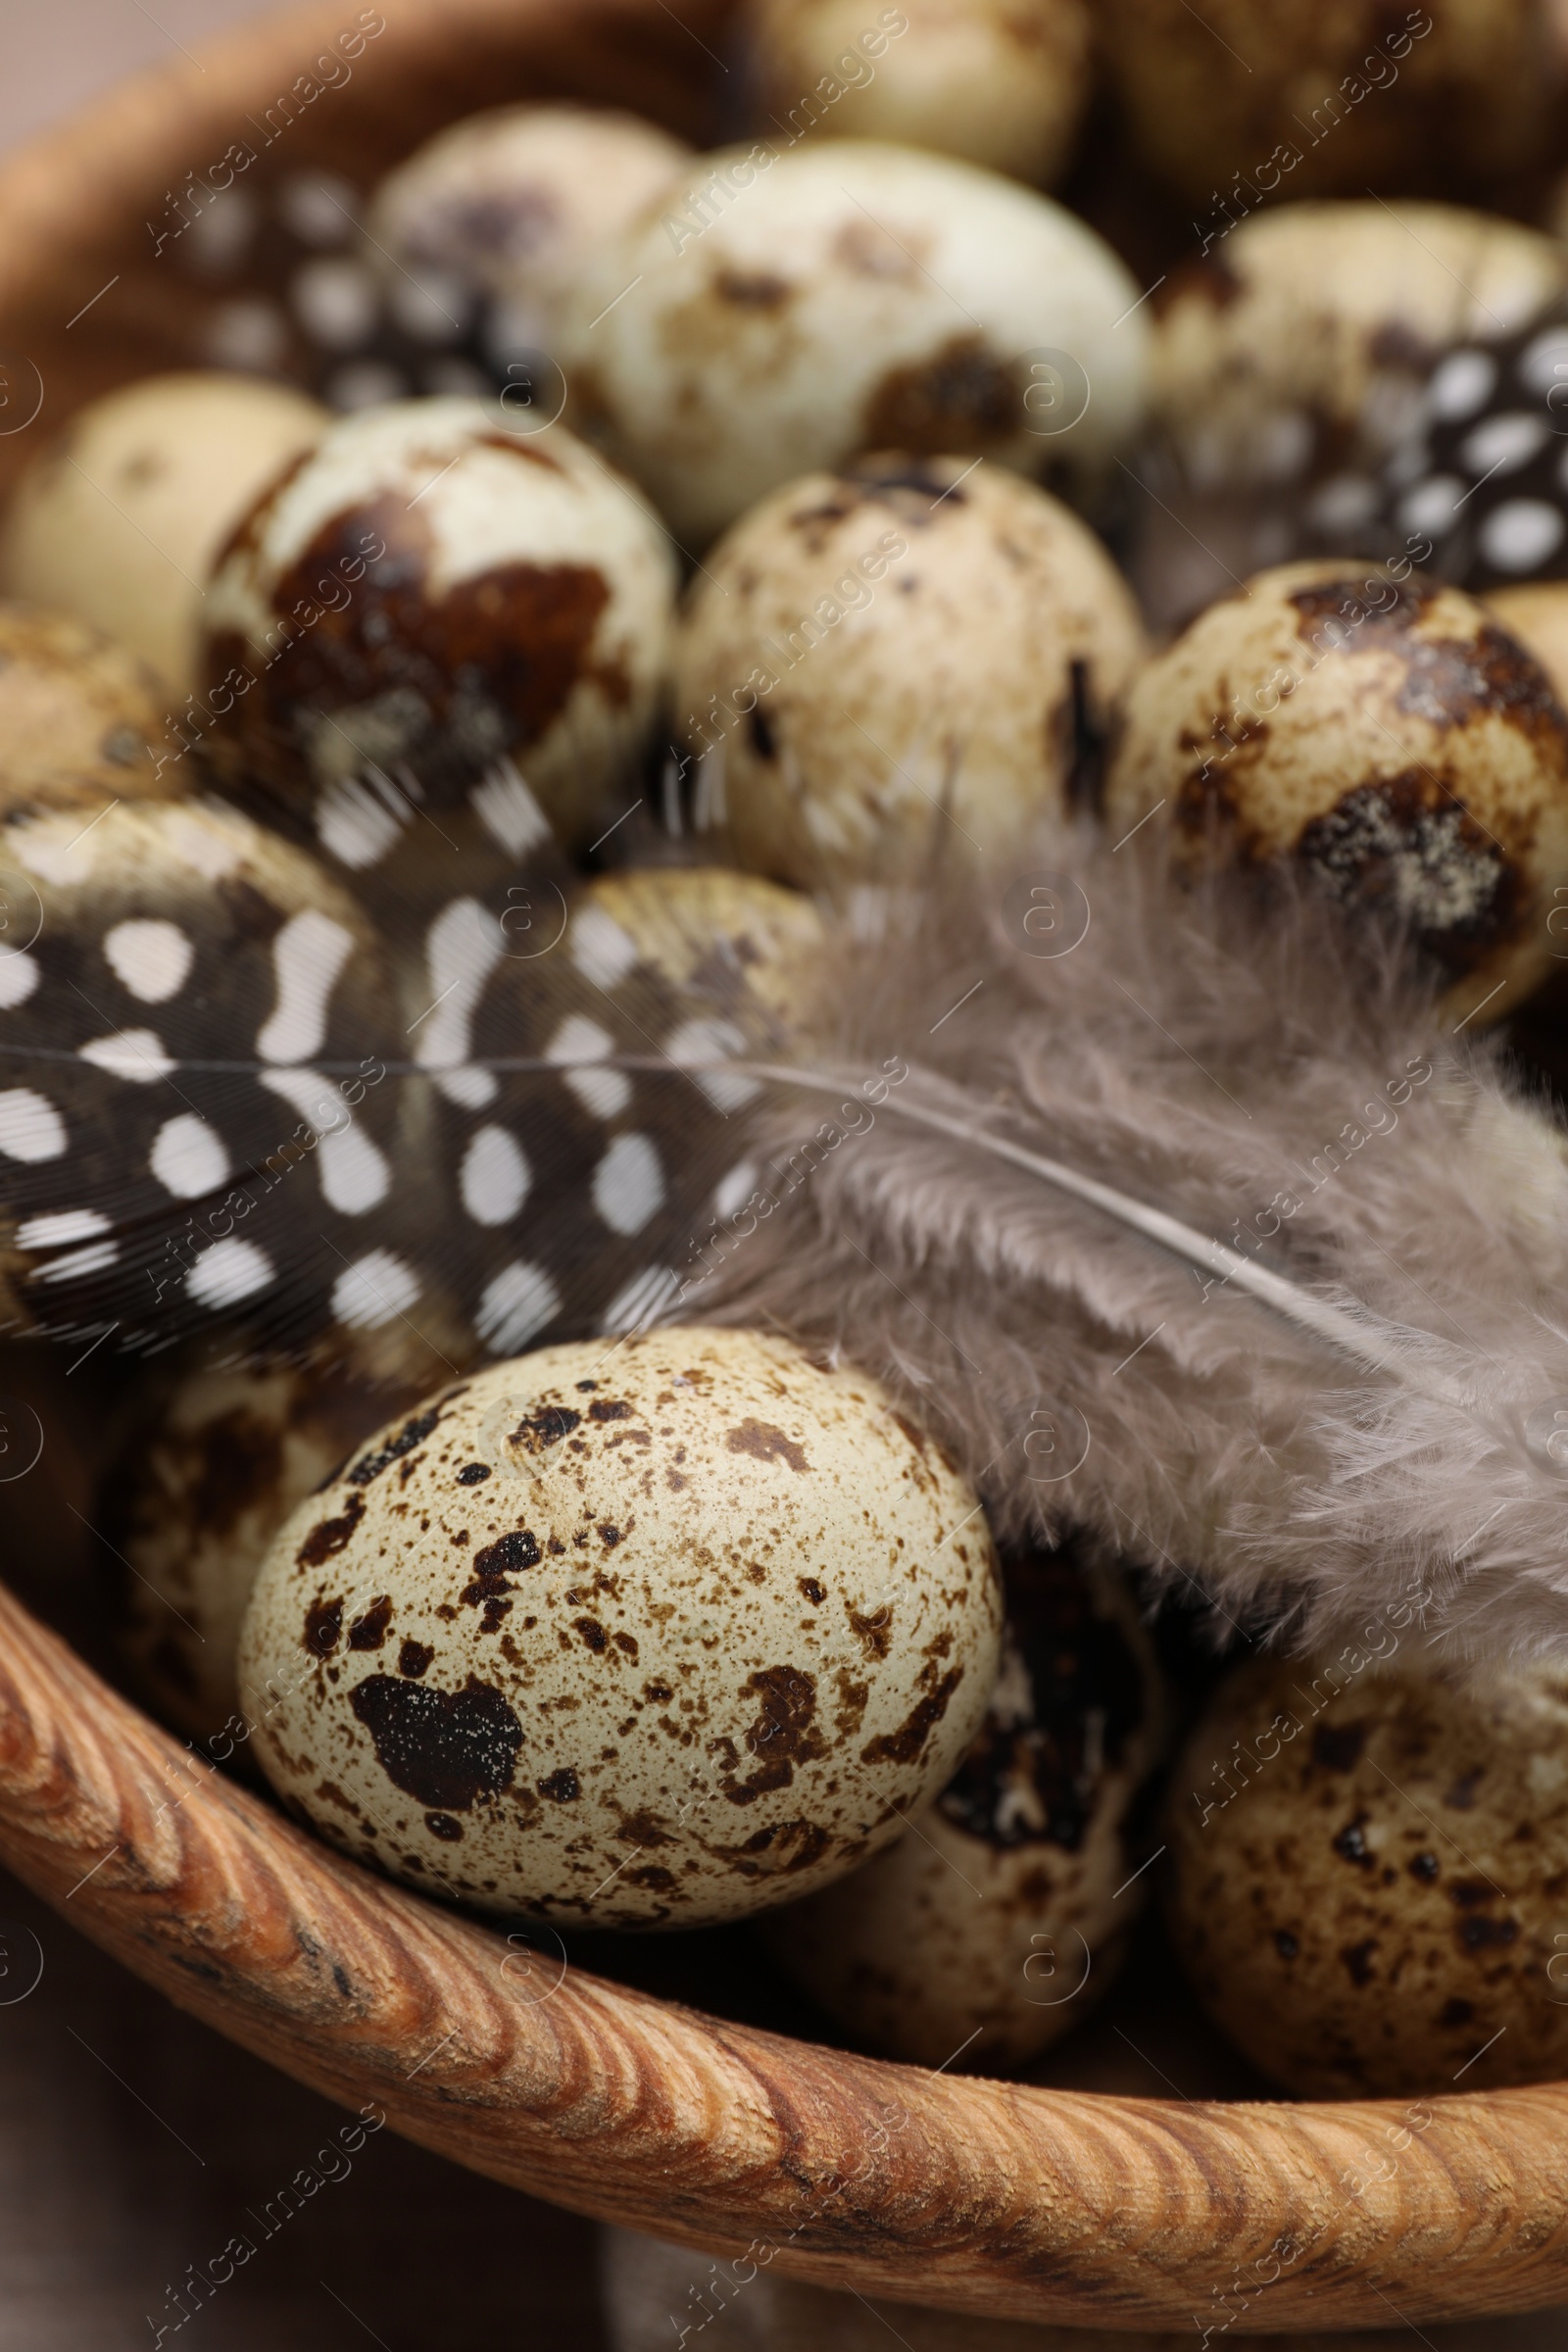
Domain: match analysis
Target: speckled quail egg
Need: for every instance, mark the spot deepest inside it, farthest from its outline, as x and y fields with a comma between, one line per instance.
x=1388, y=735
x=1323, y=100
x=1300, y=344
x=911, y=656
x=514, y=200
x=1001, y=83
x=119, y=520
x=430, y=604
x=198, y=1490
x=80, y=718
x=996, y=1923
x=634, y=1635
x=721, y=935
x=1370, y=1870
x=779, y=312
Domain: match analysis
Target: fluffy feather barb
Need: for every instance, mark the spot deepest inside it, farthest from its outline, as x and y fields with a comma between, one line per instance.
x=1379, y=1432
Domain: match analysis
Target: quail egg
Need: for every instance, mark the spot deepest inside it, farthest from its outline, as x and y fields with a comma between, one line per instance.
x=719, y=935
x=514, y=200
x=1300, y=344
x=1002, y=82
x=628, y=1635
x=196, y=1495
x=778, y=311
x=435, y=608
x=117, y=521
x=80, y=717
x=1369, y=1870
x=1388, y=735
x=996, y=1921
x=910, y=658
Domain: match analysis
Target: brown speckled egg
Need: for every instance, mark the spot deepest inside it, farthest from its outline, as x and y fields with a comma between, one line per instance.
x=1300, y=345
x=1370, y=1867
x=778, y=311
x=117, y=521
x=999, y=83
x=80, y=718
x=717, y=934
x=437, y=608
x=194, y=1497
x=994, y=1924
x=637, y=1634
x=514, y=200
x=1385, y=733
x=1233, y=101
x=908, y=658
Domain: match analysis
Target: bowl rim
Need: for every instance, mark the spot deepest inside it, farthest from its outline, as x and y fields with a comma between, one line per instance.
x=978, y=2196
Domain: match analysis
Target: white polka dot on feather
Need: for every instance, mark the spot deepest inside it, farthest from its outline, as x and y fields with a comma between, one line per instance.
x=629, y=1185
x=152, y=958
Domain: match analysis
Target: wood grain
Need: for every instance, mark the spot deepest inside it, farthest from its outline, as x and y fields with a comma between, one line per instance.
x=981, y=2197
x=978, y=2197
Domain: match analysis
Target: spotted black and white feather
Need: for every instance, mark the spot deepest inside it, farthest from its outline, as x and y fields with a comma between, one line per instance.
x=231, y=1104
x=1483, y=477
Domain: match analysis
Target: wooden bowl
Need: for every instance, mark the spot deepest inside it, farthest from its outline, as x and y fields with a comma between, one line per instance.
x=979, y=2196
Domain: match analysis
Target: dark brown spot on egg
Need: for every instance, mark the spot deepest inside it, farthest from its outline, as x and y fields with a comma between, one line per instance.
x=782, y=1733
x=444, y=1826
x=814, y=1593
x=593, y=1633
x=765, y=1444
x=509, y=1554
x=1424, y=1867
x=1476, y=1933
x=1462, y=1795
x=752, y=289
x=909, y=1742
x=546, y=1426
x=413, y=1433
x=1286, y=1944
x=446, y=1748
x=1358, y=1959
x=1457, y=2012
x=330, y=1535
x=414, y=1657
x=562, y=1788
x=1337, y=1746
x=961, y=396
x=610, y=1408
x=780, y=1851
x=873, y=1631
x=369, y=1631
x=323, y=1627
x=474, y=1474
x=1408, y=846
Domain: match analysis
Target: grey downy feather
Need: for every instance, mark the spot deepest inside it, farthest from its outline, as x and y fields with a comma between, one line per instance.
x=1308, y=1347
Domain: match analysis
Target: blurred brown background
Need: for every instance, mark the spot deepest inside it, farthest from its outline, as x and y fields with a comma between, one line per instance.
x=55, y=53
